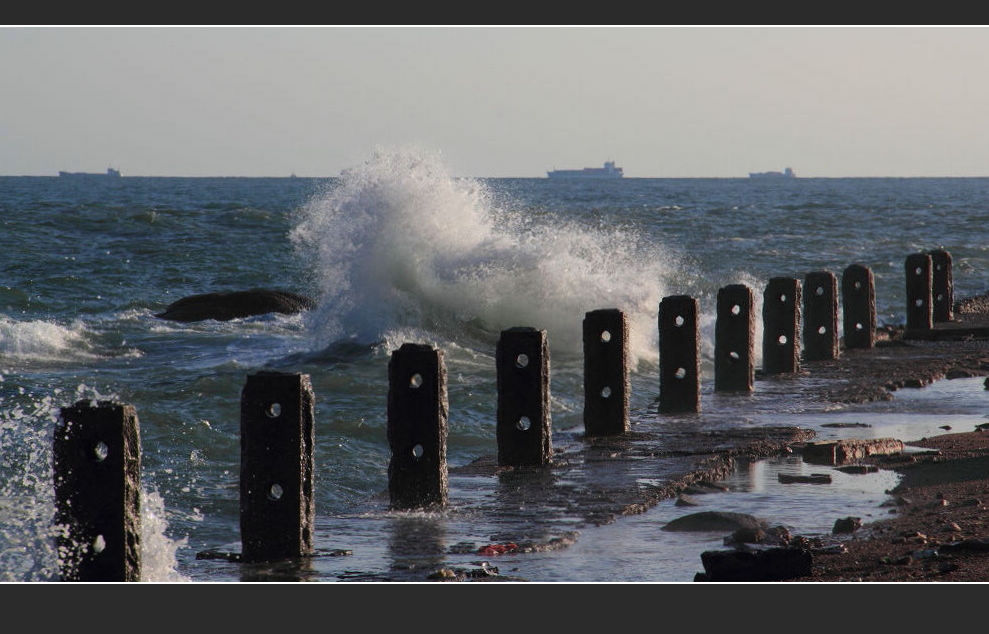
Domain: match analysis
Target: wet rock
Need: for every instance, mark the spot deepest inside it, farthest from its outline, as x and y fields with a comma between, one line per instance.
x=686, y=500
x=837, y=452
x=747, y=536
x=225, y=306
x=846, y=525
x=814, y=478
x=704, y=487
x=774, y=564
x=857, y=469
x=980, y=544
x=715, y=521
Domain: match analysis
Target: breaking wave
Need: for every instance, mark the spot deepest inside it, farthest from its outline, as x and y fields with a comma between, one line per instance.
x=400, y=247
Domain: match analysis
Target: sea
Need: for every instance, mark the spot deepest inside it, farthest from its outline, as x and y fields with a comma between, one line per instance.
x=396, y=249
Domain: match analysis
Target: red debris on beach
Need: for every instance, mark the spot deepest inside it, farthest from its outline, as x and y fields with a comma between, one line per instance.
x=498, y=549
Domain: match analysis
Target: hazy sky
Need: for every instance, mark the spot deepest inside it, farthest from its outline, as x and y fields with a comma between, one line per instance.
x=661, y=101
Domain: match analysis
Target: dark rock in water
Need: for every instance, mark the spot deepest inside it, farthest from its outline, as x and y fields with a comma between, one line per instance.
x=858, y=469
x=747, y=536
x=714, y=521
x=846, y=525
x=236, y=304
x=814, y=478
x=686, y=500
x=774, y=564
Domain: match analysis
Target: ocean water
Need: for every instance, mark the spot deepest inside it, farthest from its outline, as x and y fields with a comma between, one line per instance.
x=397, y=250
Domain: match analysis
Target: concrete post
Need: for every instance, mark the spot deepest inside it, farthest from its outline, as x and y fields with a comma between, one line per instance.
x=919, y=278
x=734, y=340
x=606, y=383
x=524, y=428
x=417, y=427
x=781, y=326
x=679, y=355
x=820, y=316
x=97, y=474
x=942, y=286
x=277, y=509
x=858, y=299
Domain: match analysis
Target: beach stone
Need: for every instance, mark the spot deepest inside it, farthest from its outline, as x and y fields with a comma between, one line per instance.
x=846, y=525
x=715, y=521
x=773, y=564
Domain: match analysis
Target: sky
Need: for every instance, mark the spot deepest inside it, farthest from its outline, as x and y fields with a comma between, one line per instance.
x=663, y=102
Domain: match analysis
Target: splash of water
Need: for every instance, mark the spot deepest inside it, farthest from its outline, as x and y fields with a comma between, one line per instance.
x=402, y=248
x=27, y=498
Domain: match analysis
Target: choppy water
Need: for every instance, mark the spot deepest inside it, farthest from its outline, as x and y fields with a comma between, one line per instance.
x=396, y=251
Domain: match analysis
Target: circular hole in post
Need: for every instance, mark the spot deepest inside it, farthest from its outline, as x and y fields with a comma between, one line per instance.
x=521, y=361
x=680, y=373
x=605, y=336
x=858, y=285
x=679, y=321
x=415, y=381
x=918, y=271
x=99, y=544
x=275, y=492
x=734, y=356
x=858, y=325
x=820, y=291
x=783, y=298
x=523, y=423
x=101, y=451
x=940, y=297
x=918, y=303
x=822, y=330
x=736, y=310
x=273, y=410
x=417, y=452
x=782, y=340
x=938, y=267
x=605, y=392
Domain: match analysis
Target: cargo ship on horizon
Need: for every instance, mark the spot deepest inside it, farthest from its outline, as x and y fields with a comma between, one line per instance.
x=609, y=171
x=110, y=173
x=787, y=173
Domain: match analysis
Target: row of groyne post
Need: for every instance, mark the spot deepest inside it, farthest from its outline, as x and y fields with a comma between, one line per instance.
x=96, y=446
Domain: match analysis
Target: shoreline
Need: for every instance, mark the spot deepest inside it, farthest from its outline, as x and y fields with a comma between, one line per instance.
x=938, y=528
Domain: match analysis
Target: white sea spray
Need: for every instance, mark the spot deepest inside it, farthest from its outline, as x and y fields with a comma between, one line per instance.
x=400, y=245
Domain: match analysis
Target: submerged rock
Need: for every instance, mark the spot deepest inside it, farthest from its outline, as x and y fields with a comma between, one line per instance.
x=715, y=521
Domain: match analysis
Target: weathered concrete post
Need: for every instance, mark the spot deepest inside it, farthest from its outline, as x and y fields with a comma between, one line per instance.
x=919, y=277
x=942, y=286
x=277, y=509
x=734, y=340
x=858, y=298
x=679, y=355
x=97, y=474
x=606, y=384
x=781, y=326
x=820, y=316
x=417, y=427
x=524, y=428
